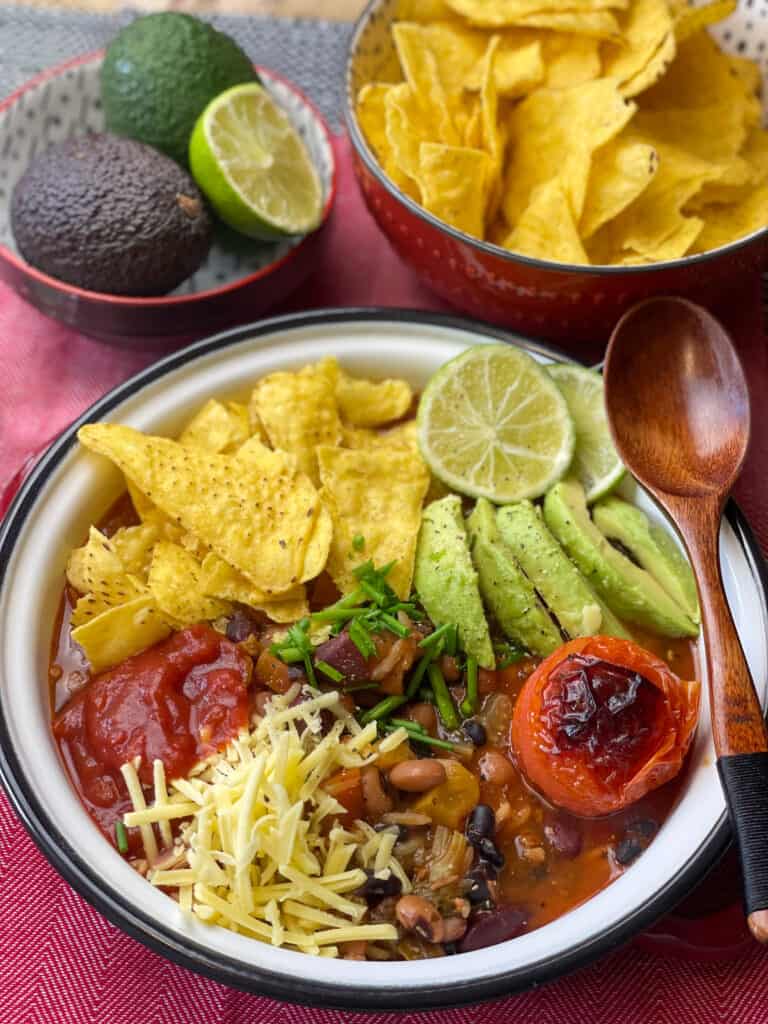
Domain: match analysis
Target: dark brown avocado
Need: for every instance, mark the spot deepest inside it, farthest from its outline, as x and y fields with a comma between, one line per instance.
x=109, y=214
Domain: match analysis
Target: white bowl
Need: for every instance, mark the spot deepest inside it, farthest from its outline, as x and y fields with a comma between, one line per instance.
x=70, y=488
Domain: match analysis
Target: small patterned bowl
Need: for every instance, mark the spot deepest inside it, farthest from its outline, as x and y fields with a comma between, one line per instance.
x=561, y=302
x=240, y=279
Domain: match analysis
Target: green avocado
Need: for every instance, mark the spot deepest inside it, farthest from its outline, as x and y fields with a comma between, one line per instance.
x=629, y=591
x=506, y=589
x=652, y=548
x=446, y=581
x=159, y=74
x=569, y=597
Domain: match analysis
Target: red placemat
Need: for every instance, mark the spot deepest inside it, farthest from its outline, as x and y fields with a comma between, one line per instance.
x=61, y=963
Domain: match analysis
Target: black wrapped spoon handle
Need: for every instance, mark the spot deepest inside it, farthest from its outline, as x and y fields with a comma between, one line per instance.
x=744, y=779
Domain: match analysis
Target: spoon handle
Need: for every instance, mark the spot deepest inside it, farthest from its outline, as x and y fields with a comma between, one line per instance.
x=738, y=724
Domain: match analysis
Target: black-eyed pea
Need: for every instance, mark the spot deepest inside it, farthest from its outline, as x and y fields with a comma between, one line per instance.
x=418, y=915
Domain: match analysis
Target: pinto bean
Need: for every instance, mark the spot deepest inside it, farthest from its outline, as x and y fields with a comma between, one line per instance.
x=419, y=915
x=425, y=715
x=260, y=701
x=375, y=799
x=450, y=669
x=417, y=776
x=496, y=768
x=454, y=929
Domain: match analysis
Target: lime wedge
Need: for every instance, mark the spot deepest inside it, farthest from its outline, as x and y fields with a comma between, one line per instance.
x=492, y=424
x=248, y=159
x=596, y=463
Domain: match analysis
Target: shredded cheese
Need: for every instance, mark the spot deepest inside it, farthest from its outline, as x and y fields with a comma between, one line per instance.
x=256, y=853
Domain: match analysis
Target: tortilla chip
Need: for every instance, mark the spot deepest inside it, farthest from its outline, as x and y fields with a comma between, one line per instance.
x=710, y=133
x=456, y=49
x=654, y=69
x=174, y=582
x=724, y=224
x=689, y=20
x=546, y=229
x=454, y=182
x=598, y=24
x=217, y=427
x=367, y=403
x=569, y=60
x=620, y=171
x=376, y=494
x=423, y=76
x=406, y=128
x=134, y=544
x=554, y=133
x=120, y=632
x=298, y=412
x=502, y=13
x=220, y=580
x=371, y=117
x=646, y=29
x=265, y=521
x=401, y=436
x=516, y=70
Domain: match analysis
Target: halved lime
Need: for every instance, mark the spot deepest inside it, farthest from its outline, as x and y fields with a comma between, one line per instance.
x=493, y=424
x=248, y=159
x=596, y=463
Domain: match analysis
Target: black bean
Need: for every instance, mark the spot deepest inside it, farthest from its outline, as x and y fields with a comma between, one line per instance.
x=479, y=892
x=563, y=836
x=481, y=823
x=627, y=850
x=645, y=827
x=489, y=851
x=450, y=948
x=402, y=831
x=374, y=889
x=497, y=926
x=475, y=732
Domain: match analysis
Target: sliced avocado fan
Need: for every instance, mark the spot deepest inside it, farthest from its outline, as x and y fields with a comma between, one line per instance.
x=506, y=590
x=629, y=591
x=652, y=548
x=446, y=581
x=569, y=597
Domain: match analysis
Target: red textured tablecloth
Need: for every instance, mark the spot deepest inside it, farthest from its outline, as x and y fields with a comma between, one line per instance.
x=61, y=963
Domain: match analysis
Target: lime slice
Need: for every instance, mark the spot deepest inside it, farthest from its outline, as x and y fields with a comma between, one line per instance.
x=248, y=159
x=492, y=424
x=596, y=463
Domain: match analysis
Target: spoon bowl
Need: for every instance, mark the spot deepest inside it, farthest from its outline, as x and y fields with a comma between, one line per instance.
x=678, y=406
x=677, y=398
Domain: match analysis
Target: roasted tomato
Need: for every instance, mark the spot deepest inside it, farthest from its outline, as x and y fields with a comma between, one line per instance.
x=600, y=723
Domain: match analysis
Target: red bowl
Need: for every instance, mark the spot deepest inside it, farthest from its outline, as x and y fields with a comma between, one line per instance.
x=240, y=279
x=558, y=301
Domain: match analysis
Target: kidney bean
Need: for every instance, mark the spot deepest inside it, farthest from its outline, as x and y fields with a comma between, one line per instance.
x=496, y=926
x=417, y=776
x=342, y=654
x=375, y=799
x=418, y=915
x=496, y=768
x=563, y=836
x=242, y=624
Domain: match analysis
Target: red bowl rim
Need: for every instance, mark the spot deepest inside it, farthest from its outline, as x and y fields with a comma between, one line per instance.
x=488, y=248
x=169, y=300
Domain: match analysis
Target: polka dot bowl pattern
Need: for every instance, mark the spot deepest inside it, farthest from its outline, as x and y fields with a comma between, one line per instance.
x=240, y=279
x=556, y=301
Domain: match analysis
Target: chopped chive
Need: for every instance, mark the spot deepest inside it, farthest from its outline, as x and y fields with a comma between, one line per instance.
x=374, y=593
x=393, y=625
x=443, y=699
x=361, y=686
x=342, y=604
x=452, y=640
x=382, y=709
x=418, y=737
x=417, y=675
x=358, y=542
x=328, y=670
x=469, y=705
x=361, y=638
x=334, y=614
x=121, y=836
x=406, y=723
x=289, y=655
x=310, y=672
x=436, y=637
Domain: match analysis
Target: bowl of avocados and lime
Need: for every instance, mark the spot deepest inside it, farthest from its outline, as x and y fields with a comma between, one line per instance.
x=113, y=223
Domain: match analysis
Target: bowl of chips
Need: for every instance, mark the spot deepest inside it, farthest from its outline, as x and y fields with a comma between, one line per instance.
x=545, y=165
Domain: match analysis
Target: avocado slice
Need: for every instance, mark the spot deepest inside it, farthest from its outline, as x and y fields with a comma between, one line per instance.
x=445, y=578
x=629, y=591
x=652, y=548
x=578, y=609
x=506, y=589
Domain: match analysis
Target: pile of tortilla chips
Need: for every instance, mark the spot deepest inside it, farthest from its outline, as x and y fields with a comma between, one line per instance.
x=578, y=131
x=319, y=471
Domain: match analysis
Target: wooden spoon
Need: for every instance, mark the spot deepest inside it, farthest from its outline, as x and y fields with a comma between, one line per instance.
x=678, y=407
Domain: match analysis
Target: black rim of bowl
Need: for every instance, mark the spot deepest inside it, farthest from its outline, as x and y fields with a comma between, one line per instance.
x=285, y=986
x=363, y=150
